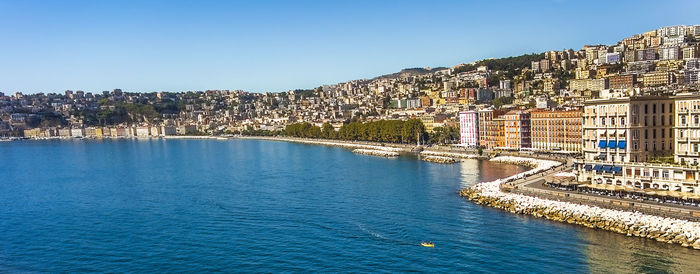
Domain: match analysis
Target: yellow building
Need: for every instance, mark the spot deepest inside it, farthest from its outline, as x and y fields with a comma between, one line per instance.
x=656, y=78
x=32, y=133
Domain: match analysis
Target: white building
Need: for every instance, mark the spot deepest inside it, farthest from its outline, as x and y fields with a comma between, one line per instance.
x=469, y=128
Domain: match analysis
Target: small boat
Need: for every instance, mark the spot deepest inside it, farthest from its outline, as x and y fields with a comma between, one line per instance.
x=427, y=244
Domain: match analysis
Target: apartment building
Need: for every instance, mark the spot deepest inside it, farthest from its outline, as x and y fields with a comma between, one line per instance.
x=556, y=130
x=469, y=128
x=490, y=133
x=517, y=129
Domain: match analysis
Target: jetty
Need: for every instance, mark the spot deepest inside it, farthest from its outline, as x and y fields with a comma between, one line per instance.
x=440, y=159
x=375, y=152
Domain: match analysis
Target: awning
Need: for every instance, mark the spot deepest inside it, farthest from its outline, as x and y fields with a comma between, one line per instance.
x=622, y=144
x=607, y=168
x=621, y=131
x=612, y=144
x=598, y=168
x=588, y=167
x=617, y=169
x=603, y=143
x=611, y=132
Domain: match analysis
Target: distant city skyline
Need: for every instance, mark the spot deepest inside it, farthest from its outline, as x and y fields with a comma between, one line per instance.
x=276, y=46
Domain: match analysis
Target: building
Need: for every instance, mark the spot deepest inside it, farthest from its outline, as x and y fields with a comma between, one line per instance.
x=656, y=78
x=517, y=129
x=669, y=53
x=624, y=137
x=556, y=130
x=588, y=84
x=77, y=132
x=469, y=128
x=491, y=134
x=687, y=129
x=629, y=129
x=623, y=81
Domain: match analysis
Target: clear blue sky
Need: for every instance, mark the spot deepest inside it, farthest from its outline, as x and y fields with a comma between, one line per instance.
x=51, y=46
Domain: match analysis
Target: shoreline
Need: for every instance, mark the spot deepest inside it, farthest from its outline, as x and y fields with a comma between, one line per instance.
x=663, y=229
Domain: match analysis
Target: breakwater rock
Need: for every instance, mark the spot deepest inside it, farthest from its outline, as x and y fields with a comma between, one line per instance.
x=440, y=159
x=669, y=230
x=374, y=152
x=452, y=154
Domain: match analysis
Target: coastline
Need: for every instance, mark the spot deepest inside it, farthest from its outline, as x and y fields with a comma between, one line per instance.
x=629, y=223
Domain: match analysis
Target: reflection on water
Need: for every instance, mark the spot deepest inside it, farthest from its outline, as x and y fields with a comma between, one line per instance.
x=612, y=252
x=475, y=171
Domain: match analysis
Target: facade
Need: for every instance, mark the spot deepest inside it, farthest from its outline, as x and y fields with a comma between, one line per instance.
x=623, y=81
x=657, y=78
x=469, y=128
x=631, y=129
x=556, y=130
x=623, y=135
x=687, y=129
x=517, y=129
x=490, y=135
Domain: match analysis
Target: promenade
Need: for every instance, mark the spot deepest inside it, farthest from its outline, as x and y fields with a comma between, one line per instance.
x=533, y=186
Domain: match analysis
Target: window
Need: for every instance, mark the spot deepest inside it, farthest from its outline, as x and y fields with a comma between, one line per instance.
x=696, y=119
x=663, y=108
x=670, y=120
x=646, y=134
x=653, y=132
x=646, y=109
x=653, y=108
x=663, y=133
x=695, y=147
x=682, y=120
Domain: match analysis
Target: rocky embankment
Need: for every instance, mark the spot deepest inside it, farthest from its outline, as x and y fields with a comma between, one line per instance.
x=452, y=154
x=669, y=230
x=375, y=152
x=440, y=159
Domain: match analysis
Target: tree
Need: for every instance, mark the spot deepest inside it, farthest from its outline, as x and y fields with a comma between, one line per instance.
x=412, y=131
x=328, y=131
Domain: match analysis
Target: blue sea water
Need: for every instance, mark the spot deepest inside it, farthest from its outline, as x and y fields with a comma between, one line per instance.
x=263, y=206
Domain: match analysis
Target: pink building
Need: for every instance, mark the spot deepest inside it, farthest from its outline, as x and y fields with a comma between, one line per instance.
x=469, y=128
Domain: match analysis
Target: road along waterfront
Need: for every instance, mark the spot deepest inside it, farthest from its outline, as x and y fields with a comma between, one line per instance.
x=669, y=230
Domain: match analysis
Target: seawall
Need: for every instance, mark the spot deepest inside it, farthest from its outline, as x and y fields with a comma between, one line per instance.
x=662, y=229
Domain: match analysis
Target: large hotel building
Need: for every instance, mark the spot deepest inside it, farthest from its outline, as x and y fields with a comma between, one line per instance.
x=643, y=142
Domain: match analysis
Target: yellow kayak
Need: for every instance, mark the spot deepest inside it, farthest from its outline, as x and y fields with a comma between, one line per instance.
x=427, y=244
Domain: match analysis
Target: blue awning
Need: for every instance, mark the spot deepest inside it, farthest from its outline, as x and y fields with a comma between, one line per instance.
x=598, y=168
x=603, y=143
x=617, y=169
x=612, y=144
x=588, y=167
x=607, y=168
x=622, y=144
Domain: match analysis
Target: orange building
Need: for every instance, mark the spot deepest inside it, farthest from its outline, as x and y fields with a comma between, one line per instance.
x=557, y=130
x=517, y=129
x=491, y=132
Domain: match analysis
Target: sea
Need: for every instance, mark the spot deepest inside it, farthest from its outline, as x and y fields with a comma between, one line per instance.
x=268, y=206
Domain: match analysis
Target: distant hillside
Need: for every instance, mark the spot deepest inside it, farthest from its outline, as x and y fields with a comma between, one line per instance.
x=410, y=72
x=508, y=64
